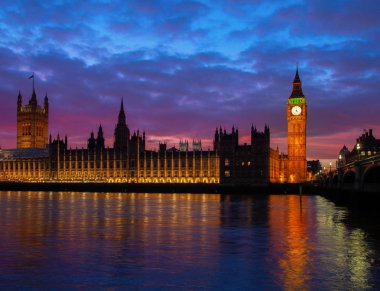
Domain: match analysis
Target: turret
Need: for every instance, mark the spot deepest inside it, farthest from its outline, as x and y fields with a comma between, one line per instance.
x=121, y=118
x=91, y=142
x=46, y=103
x=162, y=147
x=297, y=86
x=32, y=122
x=100, y=139
x=216, y=136
x=267, y=132
x=216, y=140
x=121, y=131
x=33, y=99
x=19, y=101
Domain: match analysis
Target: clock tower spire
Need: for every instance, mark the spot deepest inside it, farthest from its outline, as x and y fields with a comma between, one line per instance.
x=296, y=117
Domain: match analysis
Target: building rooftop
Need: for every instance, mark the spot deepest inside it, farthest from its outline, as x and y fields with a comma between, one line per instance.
x=23, y=153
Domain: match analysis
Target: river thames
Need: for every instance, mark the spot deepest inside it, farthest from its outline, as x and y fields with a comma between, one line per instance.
x=72, y=240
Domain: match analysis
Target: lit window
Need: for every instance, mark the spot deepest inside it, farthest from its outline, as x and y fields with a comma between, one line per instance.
x=226, y=173
x=226, y=162
x=249, y=163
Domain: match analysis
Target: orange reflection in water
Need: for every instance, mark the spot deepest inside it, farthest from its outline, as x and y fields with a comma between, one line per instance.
x=289, y=240
x=186, y=226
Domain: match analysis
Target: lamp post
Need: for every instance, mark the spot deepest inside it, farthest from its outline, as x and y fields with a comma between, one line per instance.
x=330, y=168
x=358, y=149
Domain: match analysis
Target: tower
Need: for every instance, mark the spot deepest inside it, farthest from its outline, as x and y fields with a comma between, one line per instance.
x=32, y=122
x=260, y=142
x=121, y=131
x=296, y=116
x=100, y=139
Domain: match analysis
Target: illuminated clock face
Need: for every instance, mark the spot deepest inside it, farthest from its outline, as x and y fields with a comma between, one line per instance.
x=296, y=110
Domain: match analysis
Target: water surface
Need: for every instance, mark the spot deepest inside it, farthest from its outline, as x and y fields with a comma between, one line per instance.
x=61, y=240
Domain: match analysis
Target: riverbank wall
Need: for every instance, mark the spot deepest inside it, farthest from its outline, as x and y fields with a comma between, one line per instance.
x=155, y=188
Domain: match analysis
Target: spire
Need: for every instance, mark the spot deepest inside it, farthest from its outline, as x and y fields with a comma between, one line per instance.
x=121, y=119
x=46, y=103
x=33, y=99
x=297, y=77
x=297, y=86
x=91, y=142
x=122, y=133
x=19, y=100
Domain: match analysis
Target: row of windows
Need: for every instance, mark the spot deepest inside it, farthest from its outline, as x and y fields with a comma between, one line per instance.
x=148, y=174
x=91, y=165
x=238, y=163
x=26, y=130
x=29, y=166
x=148, y=163
x=39, y=131
x=22, y=166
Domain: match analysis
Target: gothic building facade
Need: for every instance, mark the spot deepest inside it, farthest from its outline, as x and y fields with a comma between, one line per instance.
x=128, y=161
x=296, y=117
x=32, y=123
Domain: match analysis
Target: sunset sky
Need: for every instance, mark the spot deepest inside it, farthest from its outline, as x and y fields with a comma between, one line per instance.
x=187, y=67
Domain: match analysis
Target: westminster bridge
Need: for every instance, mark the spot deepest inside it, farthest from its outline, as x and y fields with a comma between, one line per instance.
x=361, y=174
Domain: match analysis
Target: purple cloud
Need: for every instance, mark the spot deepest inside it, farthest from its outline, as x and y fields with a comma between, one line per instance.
x=186, y=67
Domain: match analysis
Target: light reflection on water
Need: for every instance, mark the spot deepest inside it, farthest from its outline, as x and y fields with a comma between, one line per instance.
x=99, y=240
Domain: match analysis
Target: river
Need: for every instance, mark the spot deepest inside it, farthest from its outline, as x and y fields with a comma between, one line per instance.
x=72, y=240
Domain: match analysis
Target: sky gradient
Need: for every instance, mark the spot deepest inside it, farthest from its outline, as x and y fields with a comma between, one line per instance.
x=187, y=67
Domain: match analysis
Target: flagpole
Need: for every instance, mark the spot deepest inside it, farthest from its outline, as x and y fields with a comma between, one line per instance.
x=32, y=77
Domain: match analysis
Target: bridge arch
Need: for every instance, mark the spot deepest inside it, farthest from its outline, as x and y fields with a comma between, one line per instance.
x=335, y=179
x=371, y=174
x=371, y=178
x=349, y=179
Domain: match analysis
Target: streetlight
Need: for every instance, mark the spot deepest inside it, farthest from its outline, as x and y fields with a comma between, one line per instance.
x=358, y=149
x=340, y=162
x=330, y=168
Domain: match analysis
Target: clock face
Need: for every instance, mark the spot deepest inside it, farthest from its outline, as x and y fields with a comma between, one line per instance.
x=296, y=110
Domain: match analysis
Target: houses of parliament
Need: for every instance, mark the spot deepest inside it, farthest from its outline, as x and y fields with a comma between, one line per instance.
x=39, y=158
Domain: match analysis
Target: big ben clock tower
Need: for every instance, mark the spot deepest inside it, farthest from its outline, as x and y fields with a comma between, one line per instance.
x=297, y=116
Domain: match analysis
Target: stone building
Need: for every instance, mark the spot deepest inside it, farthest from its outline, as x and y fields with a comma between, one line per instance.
x=32, y=123
x=39, y=160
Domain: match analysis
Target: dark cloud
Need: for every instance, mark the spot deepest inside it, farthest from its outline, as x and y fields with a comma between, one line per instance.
x=185, y=67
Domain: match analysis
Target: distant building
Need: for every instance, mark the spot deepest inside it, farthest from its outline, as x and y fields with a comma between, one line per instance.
x=366, y=146
x=183, y=146
x=229, y=162
x=314, y=167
